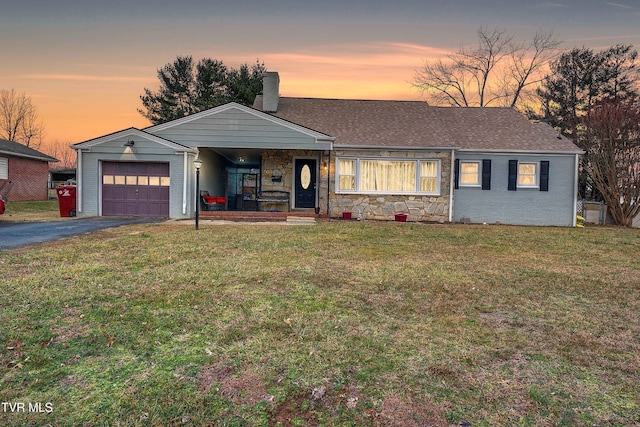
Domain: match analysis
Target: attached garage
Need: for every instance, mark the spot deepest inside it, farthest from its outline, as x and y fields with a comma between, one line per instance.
x=135, y=173
x=135, y=189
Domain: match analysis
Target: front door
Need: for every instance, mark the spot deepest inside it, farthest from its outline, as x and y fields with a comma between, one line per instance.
x=305, y=183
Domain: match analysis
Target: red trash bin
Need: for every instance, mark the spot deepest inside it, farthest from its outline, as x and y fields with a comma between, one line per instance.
x=2, y=205
x=67, y=200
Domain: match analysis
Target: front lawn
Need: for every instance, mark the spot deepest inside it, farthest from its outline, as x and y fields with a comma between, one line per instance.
x=42, y=210
x=337, y=324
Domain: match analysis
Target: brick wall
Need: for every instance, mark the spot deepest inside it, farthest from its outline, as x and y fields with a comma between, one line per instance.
x=28, y=180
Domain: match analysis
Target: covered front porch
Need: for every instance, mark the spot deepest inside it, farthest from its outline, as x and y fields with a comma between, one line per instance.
x=264, y=184
x=262, y=216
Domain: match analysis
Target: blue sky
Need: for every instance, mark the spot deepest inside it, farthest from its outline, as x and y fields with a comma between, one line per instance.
x=85, y=63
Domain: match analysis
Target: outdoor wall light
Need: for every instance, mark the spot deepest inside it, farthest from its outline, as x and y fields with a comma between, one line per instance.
x=129, y=143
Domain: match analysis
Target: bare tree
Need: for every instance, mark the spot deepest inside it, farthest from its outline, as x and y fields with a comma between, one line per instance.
x=498, y=71
x=19, y=119
x=61, y=151
x=528, y=60
x=611, y=141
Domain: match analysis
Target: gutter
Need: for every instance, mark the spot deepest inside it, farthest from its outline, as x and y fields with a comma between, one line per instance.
x=386, y=147
x=79, y=180
x=43, y=158
x=575, y=192
x=329, y=186
x=451, y=184
x=532, y=152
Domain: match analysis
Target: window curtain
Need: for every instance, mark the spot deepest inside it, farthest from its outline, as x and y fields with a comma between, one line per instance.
x=469, y=173
x=428, y=176
x=527, y=174
x=347, y=175
x=387, y=176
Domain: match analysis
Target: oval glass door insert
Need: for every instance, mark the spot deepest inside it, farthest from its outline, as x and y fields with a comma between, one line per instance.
x=305, y=177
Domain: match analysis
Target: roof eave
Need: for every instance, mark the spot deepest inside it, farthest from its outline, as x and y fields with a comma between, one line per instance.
x=44, y=158
x=179, y=148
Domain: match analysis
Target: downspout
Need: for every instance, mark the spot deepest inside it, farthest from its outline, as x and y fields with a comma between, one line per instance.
x=79, y=180
x=329, y=185
x=184, y=185
x=575, y=193
x=451, y=184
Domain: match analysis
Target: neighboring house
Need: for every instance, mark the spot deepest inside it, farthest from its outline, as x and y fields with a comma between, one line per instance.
x=60, y=177
x=373, y=159
x=24, y=172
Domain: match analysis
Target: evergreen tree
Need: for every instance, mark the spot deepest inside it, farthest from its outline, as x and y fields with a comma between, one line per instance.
x=187, y=88
x=580, y=78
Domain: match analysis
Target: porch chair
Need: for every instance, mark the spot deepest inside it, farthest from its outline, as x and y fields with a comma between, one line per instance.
x=212, y=203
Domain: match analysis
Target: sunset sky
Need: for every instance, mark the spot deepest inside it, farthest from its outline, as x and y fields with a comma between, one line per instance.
x=85, y=63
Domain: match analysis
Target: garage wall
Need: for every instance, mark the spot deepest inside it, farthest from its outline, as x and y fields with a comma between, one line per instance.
x=142, y=151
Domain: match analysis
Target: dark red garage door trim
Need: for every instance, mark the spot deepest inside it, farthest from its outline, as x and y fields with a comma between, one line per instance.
x=135, y=189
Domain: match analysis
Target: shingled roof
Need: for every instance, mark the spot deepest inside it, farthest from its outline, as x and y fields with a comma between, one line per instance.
x=13, y=148
x=415, y=124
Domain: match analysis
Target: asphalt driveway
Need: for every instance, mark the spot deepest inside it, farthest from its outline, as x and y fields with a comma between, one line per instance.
x=17, y=234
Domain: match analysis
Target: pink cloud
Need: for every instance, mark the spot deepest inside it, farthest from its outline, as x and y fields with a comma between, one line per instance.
x=87, y=78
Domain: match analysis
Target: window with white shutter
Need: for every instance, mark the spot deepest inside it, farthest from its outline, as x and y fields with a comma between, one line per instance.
x=4, y=168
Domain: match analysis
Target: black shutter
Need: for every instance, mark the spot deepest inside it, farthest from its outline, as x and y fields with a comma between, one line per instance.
x=486, y=174
x=513, y=175
x=544, y=175
x=456, y=179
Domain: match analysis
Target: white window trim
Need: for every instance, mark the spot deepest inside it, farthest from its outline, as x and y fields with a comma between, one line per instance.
x=390, y=159
x=478, y=183
x=536, y=176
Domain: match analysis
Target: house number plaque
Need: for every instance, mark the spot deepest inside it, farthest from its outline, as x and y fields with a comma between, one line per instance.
x=305, y=176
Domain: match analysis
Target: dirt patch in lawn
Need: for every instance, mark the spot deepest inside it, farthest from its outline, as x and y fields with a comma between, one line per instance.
x=244, y=388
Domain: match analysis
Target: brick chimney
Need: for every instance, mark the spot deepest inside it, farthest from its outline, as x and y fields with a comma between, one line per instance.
x=270, y=91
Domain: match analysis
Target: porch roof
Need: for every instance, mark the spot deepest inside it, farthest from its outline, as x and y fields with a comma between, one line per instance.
x=235, y=126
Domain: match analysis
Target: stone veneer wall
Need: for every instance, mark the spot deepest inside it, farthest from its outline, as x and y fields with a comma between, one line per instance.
x=281, y=163
x=432, y=208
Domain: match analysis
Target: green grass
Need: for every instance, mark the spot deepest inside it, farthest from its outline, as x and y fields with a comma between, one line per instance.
x=338, y=324
x=46, y=210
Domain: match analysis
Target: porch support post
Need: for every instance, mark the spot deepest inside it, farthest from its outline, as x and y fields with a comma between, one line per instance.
x=184, y=183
